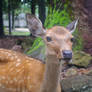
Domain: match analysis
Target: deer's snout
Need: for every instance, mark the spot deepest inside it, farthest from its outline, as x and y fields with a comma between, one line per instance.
x=67, y=54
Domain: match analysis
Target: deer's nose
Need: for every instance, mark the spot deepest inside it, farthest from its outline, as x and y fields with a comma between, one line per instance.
x=67, y=54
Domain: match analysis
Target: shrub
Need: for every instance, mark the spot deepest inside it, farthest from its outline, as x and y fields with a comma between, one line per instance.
x=57, y=17
x=36, y=45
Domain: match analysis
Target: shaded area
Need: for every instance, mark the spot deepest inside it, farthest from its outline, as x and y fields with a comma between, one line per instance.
x=88, y=35
x=77, y=77
x=80, y=83
x=88, y=6
x=8, y=42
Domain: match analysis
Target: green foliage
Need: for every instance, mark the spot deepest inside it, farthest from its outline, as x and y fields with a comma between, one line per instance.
x=78, y=44
x=81, y=58
x=25, y=8
x=57, y=17
x=27, y=43
x=36, y=45
x=13, y=3
x=16, y=33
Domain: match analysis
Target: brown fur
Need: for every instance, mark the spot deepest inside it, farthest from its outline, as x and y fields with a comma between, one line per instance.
x=19, y=73
x=52, y=75
x=61, y=40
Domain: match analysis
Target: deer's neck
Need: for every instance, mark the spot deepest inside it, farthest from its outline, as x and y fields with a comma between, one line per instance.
x=52, y=74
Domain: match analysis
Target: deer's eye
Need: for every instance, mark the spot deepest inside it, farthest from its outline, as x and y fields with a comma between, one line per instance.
x=72, y=39
x=48, y=39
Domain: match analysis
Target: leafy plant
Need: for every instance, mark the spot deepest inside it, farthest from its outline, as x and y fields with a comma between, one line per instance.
x=36, y=45
x=57, y=17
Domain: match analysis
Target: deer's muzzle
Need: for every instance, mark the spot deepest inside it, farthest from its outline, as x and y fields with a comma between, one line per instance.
x=67, y=54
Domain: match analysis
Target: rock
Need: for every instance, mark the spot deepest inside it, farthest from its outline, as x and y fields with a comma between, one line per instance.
x=75, y=79
x=71, y=72
x=81, y=59
x=79, y=83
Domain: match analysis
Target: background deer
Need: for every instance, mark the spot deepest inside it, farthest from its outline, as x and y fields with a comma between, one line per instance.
x=19, y=73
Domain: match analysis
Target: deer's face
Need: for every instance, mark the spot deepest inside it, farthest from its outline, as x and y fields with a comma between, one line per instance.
x=57, y=39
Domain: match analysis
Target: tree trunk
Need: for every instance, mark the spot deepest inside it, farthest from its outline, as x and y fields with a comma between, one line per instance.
x=83, y=10
x=88, y=6
x=51, y=3
x=42, y=10
x=1, y=19
x=9, y=16
x=33, y=4
x=13, y=20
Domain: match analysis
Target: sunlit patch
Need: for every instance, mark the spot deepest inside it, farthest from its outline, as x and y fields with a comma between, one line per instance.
x=16, y=57
x=18, y=60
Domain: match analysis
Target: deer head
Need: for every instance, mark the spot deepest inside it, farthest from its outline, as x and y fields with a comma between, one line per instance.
x=58, y=39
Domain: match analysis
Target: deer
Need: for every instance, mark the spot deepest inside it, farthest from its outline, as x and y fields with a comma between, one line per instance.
x=20, y=73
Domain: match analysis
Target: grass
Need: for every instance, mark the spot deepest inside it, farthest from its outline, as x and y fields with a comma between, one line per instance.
x=18, y=33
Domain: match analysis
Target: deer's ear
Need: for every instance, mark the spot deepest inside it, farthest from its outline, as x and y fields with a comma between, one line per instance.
x=35, y=25
x=72, y=26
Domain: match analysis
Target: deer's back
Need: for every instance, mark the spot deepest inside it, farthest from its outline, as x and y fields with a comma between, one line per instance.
x=19, y=73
